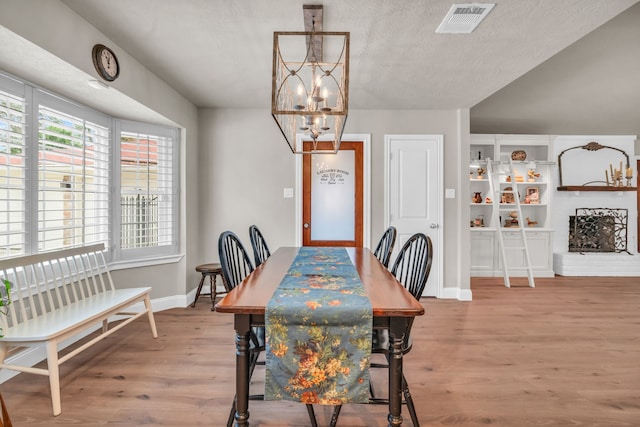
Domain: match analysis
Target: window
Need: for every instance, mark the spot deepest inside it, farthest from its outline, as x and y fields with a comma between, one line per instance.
x=148, y=196
x=12, y=169
x=71, y=176
x=73, y=181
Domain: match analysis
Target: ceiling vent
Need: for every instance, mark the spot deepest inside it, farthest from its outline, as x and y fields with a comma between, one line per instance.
x=464, y=18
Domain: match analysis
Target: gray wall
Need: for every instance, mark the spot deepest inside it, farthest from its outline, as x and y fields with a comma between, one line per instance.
x=234, y=162
x=245, y=163
x=590, y=88
x=50, y=45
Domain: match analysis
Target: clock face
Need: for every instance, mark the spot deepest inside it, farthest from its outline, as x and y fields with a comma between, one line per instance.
x=105, y=62
x=109, y=63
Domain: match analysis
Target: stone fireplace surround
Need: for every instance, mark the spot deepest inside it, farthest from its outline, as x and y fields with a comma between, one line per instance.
x=564, y=204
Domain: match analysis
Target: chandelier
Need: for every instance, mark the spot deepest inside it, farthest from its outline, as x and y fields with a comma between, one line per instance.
x=310, y=85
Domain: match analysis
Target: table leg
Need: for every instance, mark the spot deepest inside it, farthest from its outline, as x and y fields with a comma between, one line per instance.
x=243, y=328
x=396, y=337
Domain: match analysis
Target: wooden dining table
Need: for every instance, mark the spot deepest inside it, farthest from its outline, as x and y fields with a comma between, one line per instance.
x=393, y=307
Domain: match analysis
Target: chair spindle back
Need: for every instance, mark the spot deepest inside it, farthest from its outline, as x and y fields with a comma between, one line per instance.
x=413, y=264
x=385, y=246
x=259, y=244
x=234, y=260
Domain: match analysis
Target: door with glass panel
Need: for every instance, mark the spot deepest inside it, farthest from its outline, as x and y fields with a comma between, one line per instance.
x=332, y=209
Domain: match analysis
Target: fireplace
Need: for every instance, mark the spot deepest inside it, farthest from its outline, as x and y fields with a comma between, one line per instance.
x=598, y=230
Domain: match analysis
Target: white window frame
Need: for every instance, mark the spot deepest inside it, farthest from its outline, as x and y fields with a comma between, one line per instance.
x=17, y=89
x=158, y=252
x=34, y=96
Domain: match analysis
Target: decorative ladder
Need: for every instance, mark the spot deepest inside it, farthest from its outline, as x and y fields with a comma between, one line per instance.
x=494, y=187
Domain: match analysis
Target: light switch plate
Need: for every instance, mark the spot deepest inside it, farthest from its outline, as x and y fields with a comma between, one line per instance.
x=450, y=193
x=288, y=193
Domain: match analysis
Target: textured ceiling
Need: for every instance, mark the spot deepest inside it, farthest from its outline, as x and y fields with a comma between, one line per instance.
x=217, y=53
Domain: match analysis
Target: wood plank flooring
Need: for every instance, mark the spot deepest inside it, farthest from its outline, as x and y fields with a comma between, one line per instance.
x=566, y=353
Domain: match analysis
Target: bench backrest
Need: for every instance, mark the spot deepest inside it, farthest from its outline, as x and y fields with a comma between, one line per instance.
x=47, y=281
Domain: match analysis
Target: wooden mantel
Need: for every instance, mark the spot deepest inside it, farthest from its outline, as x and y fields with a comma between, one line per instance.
x=594, y=188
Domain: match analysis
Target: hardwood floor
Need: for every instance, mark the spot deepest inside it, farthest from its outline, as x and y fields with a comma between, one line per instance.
x=566, y=353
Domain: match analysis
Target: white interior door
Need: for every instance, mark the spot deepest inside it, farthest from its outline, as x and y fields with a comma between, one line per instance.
x=413, y=194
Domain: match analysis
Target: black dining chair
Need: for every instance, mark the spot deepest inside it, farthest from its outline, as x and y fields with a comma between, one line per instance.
x=259, y=244
x=234, y=260
x=411, y=268
x=236, y=266
x=385, y=246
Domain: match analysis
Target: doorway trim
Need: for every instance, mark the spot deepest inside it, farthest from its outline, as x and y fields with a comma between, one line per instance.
x=365, y=139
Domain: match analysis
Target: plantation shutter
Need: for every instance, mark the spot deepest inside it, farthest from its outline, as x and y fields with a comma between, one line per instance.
x=148, y=188
x=12, y=170
x=73, y=180
x=64, y=184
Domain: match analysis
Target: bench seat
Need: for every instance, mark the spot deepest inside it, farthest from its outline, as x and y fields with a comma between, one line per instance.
x=70, y=318
x=55, y=296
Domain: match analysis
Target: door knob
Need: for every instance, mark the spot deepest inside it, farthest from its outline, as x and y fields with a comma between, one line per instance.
x=433, y=226
x=306, y=225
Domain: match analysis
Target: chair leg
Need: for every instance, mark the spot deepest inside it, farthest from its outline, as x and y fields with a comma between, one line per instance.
x=232, y=413
x=312, y=415
x=310, y=411
x=409, y=400
x=198, y=291
x=372, y=392
x=334, y=416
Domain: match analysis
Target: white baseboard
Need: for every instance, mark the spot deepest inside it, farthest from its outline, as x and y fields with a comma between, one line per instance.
x=500, y=274
x=456, y=293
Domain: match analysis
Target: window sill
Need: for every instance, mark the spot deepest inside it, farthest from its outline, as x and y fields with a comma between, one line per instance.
x=146, y=262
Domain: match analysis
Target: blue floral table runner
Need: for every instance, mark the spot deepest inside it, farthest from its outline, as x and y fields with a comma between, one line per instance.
x=318, y=331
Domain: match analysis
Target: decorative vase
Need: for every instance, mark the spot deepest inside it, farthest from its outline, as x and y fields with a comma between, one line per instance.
x=519, y=155
x=477, y=197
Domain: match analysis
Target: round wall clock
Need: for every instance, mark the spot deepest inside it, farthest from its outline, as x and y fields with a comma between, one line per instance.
x=105, y=62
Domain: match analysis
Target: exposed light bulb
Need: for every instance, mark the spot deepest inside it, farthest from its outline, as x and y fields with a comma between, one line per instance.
x=300, y=93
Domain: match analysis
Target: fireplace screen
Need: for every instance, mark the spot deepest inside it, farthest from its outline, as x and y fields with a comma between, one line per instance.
x=598, y=230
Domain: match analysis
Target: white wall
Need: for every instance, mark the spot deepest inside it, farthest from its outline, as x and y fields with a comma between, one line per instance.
x=590, y=166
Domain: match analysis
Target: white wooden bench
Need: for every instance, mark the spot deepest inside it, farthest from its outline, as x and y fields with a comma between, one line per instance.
x=58, y=295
